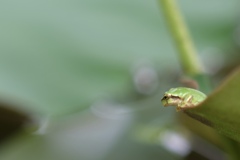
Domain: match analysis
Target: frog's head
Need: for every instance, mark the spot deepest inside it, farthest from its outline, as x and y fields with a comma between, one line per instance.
x=170, y=100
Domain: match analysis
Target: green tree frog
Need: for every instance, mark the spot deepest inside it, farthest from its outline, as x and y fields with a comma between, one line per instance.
x=182, y=98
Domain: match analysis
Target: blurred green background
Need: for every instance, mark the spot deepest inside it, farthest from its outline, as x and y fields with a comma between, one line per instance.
x=93, y=73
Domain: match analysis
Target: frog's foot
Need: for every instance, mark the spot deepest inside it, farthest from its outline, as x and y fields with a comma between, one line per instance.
x=185, y=104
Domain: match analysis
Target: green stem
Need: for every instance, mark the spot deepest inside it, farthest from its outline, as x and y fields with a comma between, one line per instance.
x=187, y=53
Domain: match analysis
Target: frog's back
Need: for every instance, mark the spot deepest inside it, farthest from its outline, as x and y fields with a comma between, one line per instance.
x=183, y=91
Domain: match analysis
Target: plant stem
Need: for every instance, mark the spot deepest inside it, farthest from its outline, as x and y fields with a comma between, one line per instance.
x=187, y=53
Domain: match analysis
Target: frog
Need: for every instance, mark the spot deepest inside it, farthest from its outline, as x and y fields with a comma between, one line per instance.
x=183, y=98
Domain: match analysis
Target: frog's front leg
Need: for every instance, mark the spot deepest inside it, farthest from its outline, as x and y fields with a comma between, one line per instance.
x=185, y=103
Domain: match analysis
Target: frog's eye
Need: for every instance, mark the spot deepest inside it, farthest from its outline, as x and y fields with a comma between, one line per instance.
x=164, y=98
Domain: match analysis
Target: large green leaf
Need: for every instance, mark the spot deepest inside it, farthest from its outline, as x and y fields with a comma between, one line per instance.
x=221, y=110
x=62, y=55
